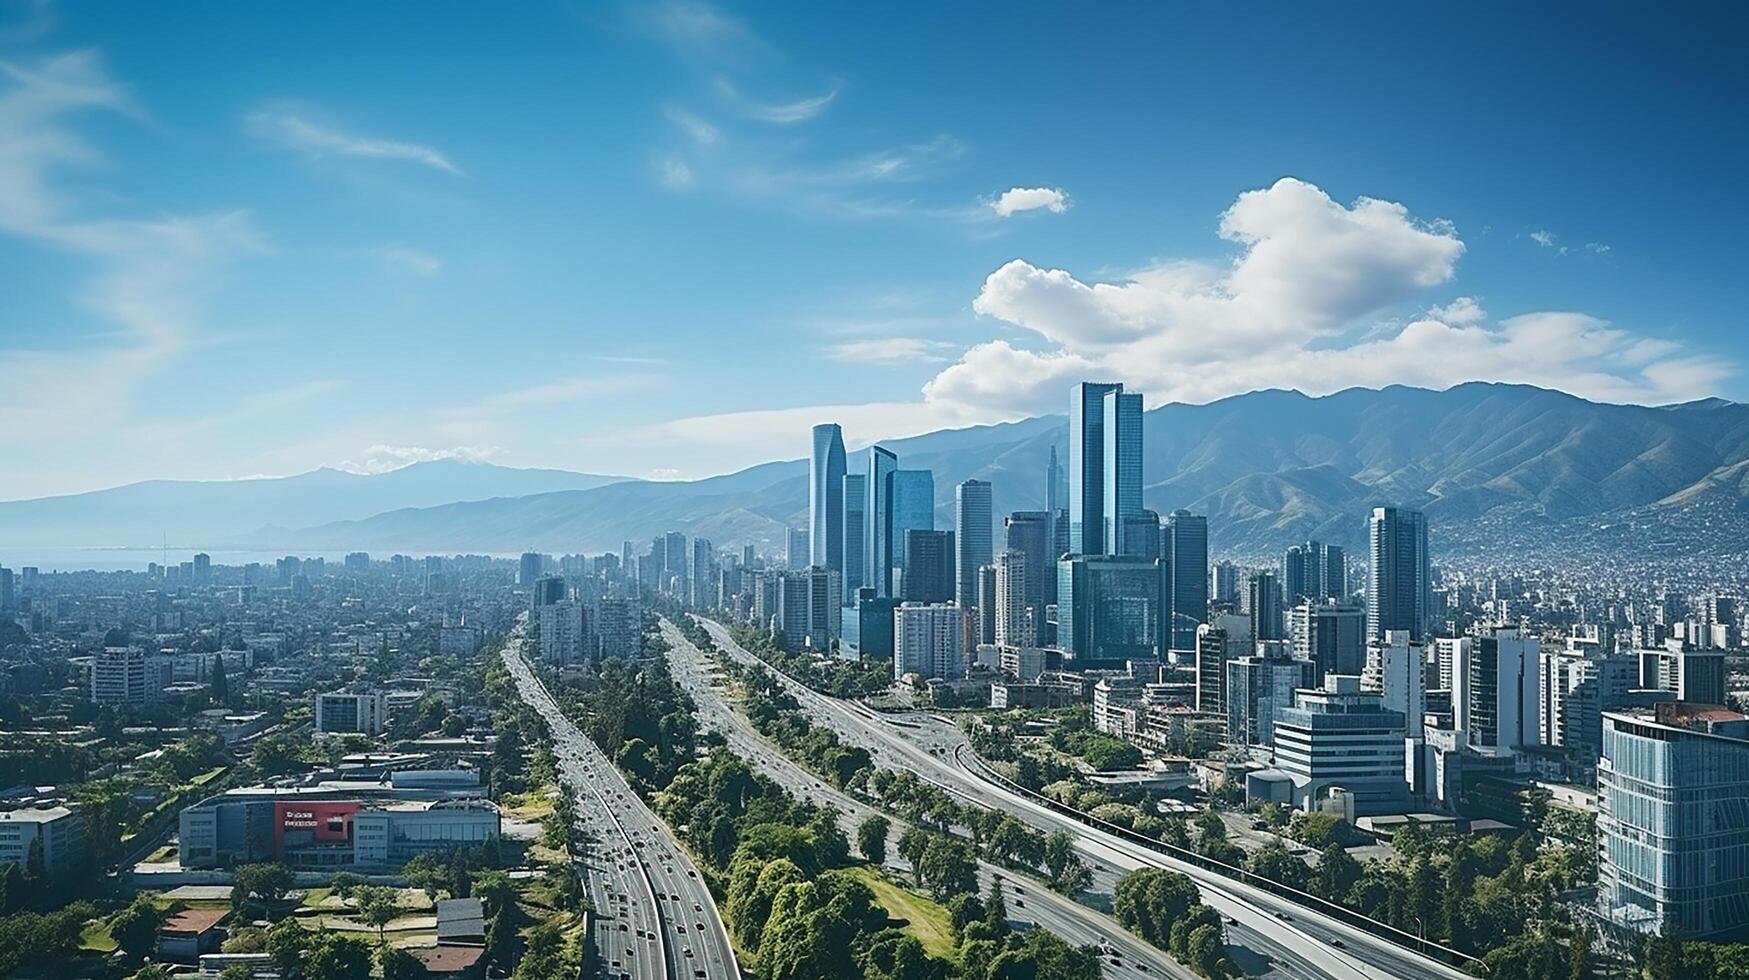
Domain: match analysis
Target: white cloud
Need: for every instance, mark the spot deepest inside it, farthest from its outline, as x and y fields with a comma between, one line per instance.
x=673, y=173
x=1021, y=199
x=1597, y=248
x=892, y=350
x=410, y=261
x=1291, y=310
x=782, y=113
x=696, y=30
x=384, y=458
x=291, y=130
x=1543, y=237
x=701, y=131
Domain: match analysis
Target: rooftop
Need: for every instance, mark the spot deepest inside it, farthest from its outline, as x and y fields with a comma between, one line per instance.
x=194, y=921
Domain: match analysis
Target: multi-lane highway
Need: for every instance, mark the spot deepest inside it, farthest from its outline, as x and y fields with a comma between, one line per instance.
x=1029, y=904
x=1295, y=940
x=655, y=918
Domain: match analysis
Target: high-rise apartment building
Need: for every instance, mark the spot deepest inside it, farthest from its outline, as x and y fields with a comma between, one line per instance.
x=1015, y=625
x=1578, y=686
x=1217, y=642
x=988, y=607
x=1400, y=583
x=1496, y=694
x=1396, y=669
x=528, y=569
x=826, y=498
x=929, y=640
x=1184, y=548
x=128, y=676
x=1029, y=533
x=974, y=530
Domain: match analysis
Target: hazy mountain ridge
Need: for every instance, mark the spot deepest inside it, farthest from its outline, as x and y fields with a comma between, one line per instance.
x=1269, y=468
x=207, y=513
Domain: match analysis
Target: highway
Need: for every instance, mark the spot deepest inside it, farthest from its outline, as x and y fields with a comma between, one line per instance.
x=1030, y=903
x=1295, y=941
x=655, y=918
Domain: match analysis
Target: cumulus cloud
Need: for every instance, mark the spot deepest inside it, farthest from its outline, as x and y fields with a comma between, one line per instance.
x=1299, y=305
x=1017, y=200
x=295, y=132
x=1543, y=237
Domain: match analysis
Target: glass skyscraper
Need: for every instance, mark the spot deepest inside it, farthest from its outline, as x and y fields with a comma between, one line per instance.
x=1121, y=482
x=1184, y=547
x=882, y=464
x=913, y=507
x=826, y=498
x=1110, y=607
x=1399, y=588
x=855, y=533
x=975, y=539
x=1087, y=467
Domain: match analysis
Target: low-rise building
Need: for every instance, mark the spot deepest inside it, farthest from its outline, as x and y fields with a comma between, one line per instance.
x=343, y=712
x=58, y=830
x=1340, y=738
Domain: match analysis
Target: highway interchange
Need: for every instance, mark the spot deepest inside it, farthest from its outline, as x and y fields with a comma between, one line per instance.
x=1295, y=941
x=654, y=916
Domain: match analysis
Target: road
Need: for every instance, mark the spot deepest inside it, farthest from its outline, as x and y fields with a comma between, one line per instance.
x=1029, y=904
x=1295, y=941
x=655, y=918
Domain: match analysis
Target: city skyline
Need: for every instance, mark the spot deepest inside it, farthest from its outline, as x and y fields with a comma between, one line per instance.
x=302, y=269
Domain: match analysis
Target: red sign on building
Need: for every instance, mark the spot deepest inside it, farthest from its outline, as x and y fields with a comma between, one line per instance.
x=326, y=822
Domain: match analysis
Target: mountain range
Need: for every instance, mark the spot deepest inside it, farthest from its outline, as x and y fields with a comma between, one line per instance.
x=1269, y=468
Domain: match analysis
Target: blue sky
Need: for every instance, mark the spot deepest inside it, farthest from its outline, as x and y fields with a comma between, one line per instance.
x=662, y=239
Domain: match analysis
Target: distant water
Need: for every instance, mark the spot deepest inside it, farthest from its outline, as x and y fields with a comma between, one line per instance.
x=136, y=559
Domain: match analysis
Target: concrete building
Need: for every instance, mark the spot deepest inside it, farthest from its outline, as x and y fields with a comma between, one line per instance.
x=1332, y=635
x=1314, y=572
x=808, y=608
x=1338, y=737
x=1695, y=676
x=1673, y=820
x=564, y=632
x=1014, y=614
x=1031, y=533
x=619, y=628
x=929, y=567
x=1218, y=642
x=929, y=640
x=125, y=676
x=1118, y=705
x=1396, y=670
x=58, y=830
x=345, y=712
x=1578, y=686
x=1496, y=692
x=1399, y=590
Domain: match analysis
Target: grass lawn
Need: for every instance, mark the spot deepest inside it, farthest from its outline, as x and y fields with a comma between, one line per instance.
x=314, y=898
x=529, y=807
x=927, y=920
x=96, y=937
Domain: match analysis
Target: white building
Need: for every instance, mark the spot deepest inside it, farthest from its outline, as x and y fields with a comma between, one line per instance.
x=347, y=713
x=459, y=640
x=60, y=830
x=1117, y=705
x=1260, y=687
x=1014, y=625
x=1396, y=669
x=1338, y=737
x=929, y=640
x=1496, y=692
x=563, y=632
x=128, y=676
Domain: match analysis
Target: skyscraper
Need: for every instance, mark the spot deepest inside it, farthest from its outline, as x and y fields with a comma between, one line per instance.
x=796, y=549
x=929, y=572
x=1122, y=459
x=1029, y=533
x=1184, y=547
x=855, y=533
x=1399, y=587
x=1013, y=620
x=1496, y=692
x=913, y=507
x=1313, y=571
x=826, y=498
x=1332, y=635
x=1110, y=608
x=1087, y=467
x=1263, y=602
x=973, y=536
x=882, y=464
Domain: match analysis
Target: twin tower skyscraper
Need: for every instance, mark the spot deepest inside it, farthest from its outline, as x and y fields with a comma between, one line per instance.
x=851, y=515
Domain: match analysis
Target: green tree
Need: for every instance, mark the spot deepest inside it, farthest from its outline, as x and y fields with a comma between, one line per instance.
x=398, y=964
x=871, y=838
x=912, y=845
x=949, y=868
x=1149, y=901
x=1336, y=873
x=344, y=882
x=335, y=957
x=151, y=971
x=1044, y=955
x=259, y=886
x=376, y=908
x=135, y=928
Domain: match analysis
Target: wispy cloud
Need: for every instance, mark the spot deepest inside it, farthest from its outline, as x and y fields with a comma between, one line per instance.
x=672, y=173
x=893, y=350
x=782, y=113
x=382, y=458
x=1017, y=200
x=294, y=131
x=701, y=131
x=696, y=31
x=1543, y=237
x=409, y=261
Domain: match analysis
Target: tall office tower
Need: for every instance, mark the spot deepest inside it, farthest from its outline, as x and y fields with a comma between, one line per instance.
x=1333, y=572
x=1496, y=694
x=1110, y=607
x=796, y=549
x=882, y=464
x=929, y=640
x=704, y=574
x=1313, y=571
x=1056, y=484
x=1184, y=547
x=1087, y=467
x=1263, y=604
x=807, y=607
x=988, y=607
x=855, y=533
x=8, y=597
x=1028, y=532
x=628, y=561
x=1228, y=636
x=974, y=531
x=1396, y=668
x=1122, y=480
x=826, y=498
x=203, y=569
x=676, y=562
x=928, y=575
x=528, y=570
x=546, y=590
x=1015, y=621
x=913, y=508
x=1672, y=819
x=1400, y=584
x=1332, y=635
x=1258, y=687
x=357, y=563
x=1226, y=581
x=1141, y=535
